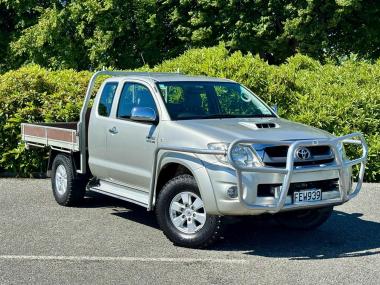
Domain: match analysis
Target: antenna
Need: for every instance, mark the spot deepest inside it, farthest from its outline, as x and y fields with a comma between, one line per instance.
x=142, y=57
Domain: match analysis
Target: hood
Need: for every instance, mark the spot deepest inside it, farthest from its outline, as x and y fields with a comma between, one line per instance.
x=227, y=130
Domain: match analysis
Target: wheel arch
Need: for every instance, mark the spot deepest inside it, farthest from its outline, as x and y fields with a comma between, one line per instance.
x=174, y=164
x=74, y=157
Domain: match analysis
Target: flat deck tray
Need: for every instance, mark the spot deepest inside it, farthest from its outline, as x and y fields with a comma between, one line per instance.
x=58, y=135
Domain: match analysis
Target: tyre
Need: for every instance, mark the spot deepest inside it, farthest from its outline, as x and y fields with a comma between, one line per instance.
x=182, y=217
x=304, y=219
x=68, y=187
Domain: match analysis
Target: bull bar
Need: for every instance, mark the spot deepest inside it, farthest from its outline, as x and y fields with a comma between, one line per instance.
x=288, y=171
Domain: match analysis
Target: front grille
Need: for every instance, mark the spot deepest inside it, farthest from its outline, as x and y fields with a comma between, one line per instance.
x=267, y=190
x=275, y=156
x=282, y=150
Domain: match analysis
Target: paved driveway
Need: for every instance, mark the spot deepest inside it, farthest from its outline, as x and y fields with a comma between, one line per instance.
x=107, y=241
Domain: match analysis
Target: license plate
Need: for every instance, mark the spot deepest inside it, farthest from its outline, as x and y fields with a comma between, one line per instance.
x=307, y=196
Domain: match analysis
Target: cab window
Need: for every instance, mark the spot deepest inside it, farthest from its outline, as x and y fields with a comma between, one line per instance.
x=134, y=95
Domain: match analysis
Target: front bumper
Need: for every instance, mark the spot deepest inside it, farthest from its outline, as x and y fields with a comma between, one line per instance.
x=247, y=179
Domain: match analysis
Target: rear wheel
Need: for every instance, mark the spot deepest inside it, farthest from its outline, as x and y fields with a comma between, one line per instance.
x=182, y=216
x=304, y=219
x=68, y=187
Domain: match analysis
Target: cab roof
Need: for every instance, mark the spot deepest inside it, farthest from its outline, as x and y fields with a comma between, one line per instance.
x=170, y=77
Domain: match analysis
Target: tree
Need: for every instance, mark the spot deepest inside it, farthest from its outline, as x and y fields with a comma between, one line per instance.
x=6, y=30
x=91, y=34
x=15, y=17
x=277, y=29
x=88, y=34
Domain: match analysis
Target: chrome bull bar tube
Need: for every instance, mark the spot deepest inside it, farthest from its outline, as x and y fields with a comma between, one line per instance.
x=289, y=170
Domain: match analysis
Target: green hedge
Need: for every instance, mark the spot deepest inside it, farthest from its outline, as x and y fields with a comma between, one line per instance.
x=339, y=99
x=33, y=94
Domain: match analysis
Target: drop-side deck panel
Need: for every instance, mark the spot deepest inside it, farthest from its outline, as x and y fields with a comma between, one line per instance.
x=56, y=135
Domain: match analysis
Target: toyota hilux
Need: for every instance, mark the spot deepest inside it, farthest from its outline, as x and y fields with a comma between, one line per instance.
x=195, y=149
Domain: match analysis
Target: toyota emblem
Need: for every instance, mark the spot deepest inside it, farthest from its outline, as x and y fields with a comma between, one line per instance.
x=303, y=153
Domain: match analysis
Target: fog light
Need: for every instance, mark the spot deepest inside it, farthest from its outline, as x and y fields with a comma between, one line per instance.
x=232, y=192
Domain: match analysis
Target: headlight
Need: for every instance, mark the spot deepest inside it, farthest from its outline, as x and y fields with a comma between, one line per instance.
x=220, y=146
x=245, y=156
x=242, y=155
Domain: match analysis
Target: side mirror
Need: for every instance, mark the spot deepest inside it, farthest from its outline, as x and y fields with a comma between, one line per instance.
x=275, y=108
x=144, y=114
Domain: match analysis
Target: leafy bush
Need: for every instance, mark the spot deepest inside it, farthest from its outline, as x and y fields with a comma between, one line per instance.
x=33, y=94
x=339, y=99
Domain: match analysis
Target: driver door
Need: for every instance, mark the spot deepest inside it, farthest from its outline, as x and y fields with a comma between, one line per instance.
x=131, y=144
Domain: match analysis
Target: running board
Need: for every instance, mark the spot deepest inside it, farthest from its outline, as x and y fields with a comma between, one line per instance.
x=121, y=192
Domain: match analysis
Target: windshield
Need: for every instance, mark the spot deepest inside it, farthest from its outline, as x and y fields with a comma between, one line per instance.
x=207, y=100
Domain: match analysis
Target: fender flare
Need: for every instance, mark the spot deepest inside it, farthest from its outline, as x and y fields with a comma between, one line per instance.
x=196, y=167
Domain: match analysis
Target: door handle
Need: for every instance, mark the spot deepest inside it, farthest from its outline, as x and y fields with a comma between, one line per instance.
x=113, y=131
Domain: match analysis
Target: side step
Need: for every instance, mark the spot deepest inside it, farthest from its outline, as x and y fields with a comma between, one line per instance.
x=121, y=192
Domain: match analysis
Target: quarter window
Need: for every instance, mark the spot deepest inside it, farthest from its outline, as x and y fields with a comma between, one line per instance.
x=106, y=99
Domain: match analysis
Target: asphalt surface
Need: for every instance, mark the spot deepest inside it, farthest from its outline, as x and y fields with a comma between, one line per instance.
x=107, y=241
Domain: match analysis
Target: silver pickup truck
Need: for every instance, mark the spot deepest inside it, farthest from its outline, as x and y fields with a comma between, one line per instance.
x=196, y=149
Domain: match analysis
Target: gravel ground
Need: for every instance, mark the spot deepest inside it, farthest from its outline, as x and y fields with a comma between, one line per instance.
x=107, y=241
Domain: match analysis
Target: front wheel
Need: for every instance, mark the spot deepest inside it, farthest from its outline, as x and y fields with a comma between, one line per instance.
x=304, y=219
x=182, y=216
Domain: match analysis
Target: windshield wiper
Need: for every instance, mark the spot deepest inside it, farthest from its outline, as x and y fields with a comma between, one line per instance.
x=262, y=116
x=221, y=116
x=218, y=116
x=224, y=116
